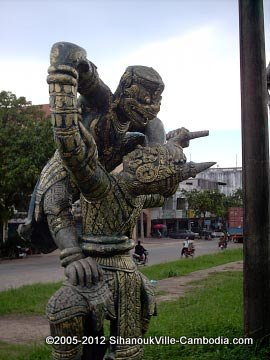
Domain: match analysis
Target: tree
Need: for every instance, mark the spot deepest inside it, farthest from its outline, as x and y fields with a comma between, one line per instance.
x=202, y=201
x=235, y=199
x=26, y=144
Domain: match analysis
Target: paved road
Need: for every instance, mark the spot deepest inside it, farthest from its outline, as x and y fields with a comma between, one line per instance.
x=45, y=268
x=170, y=249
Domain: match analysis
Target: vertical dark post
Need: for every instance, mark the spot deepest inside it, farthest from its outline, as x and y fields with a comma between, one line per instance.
x=142, y=226
x=255, y=169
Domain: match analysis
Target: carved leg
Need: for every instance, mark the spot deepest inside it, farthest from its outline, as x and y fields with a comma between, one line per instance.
x=73, y=328
x=127, y=291
x=75, y=312
x=66, y=310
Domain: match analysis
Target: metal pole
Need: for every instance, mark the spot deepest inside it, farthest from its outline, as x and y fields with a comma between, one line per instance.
x=255, y=169
x=142, y=227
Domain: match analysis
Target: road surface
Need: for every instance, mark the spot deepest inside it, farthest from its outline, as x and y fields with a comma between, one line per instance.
x=46, y=268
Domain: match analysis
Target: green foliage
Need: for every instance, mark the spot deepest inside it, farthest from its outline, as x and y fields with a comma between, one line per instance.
x=202, y=201
x=212, y=201
x=235, y=200
x=26, y=143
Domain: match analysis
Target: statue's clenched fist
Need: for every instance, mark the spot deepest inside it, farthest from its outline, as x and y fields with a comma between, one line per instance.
x=84, y=272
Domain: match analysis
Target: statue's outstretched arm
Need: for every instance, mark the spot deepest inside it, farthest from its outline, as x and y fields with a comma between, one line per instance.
x=182, y=136
x=158, y=169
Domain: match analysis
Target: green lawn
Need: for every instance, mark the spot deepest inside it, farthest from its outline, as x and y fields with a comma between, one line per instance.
x=186, y=266
x=28, y=299
x=24, y=352
x=214, y=309
x=32, y=299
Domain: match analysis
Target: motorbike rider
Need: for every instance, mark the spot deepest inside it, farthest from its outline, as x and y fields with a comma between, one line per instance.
x=140, y=250
x=185, y=247
x=223, y=241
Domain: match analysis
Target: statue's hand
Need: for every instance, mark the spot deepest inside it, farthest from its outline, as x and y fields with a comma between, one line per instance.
x=74, y=56
x=84, y=272
x=180, y=136
x=65, y=53
x=176, y=151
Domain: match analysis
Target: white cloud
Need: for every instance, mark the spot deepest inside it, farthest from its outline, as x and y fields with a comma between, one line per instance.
x=201, y=87
x=25, y=77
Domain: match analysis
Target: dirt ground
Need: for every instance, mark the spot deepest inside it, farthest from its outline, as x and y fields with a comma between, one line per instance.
x=24, y=329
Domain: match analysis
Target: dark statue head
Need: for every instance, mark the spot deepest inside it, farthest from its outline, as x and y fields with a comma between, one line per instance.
x=139, y=95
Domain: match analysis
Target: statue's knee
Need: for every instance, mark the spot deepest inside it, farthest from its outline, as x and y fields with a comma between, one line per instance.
x=66, y=304
x=66, y=311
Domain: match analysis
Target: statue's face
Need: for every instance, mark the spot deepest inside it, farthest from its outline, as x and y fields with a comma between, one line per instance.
x=138, y=95
x=140, y=104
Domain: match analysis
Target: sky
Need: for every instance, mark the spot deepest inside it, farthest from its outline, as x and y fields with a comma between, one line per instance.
x=193, y=44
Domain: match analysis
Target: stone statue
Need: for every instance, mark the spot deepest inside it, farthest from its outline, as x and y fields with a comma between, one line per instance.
x=94, y=134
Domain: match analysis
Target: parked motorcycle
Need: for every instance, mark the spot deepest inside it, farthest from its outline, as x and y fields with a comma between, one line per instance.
x=140, y=259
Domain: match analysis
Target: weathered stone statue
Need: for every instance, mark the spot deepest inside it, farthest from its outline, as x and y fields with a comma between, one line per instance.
x=94, y=134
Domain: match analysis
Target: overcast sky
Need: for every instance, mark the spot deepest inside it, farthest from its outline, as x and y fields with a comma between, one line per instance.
x=194, y=45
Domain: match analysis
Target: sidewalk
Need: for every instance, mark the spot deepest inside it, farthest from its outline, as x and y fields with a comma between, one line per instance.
x=24, y=329
x=176, y=287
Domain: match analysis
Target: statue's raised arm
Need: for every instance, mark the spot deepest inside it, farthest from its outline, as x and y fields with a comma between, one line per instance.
x=76, y=146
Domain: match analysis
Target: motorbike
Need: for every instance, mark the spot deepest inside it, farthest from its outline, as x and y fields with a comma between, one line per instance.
x=189, y=252
x=21, y=252
x=222, y=244
x=140, y=259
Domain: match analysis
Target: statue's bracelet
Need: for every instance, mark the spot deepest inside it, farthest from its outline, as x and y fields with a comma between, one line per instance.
x=69, y=255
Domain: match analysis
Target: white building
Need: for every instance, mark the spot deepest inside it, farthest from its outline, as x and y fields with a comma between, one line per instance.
x=175, y=213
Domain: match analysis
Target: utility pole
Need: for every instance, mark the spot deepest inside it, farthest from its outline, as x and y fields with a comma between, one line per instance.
x=142, y=226
x=255, y=150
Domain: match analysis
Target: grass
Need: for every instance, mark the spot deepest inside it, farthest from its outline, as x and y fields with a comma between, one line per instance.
x=214, y=309
x=186, y=266
x=27, y=299
x=32, y=299
x=24, y=352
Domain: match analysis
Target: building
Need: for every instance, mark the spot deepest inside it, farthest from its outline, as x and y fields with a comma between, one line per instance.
x=46, y=109
x=175, y=213
x=228, y=179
